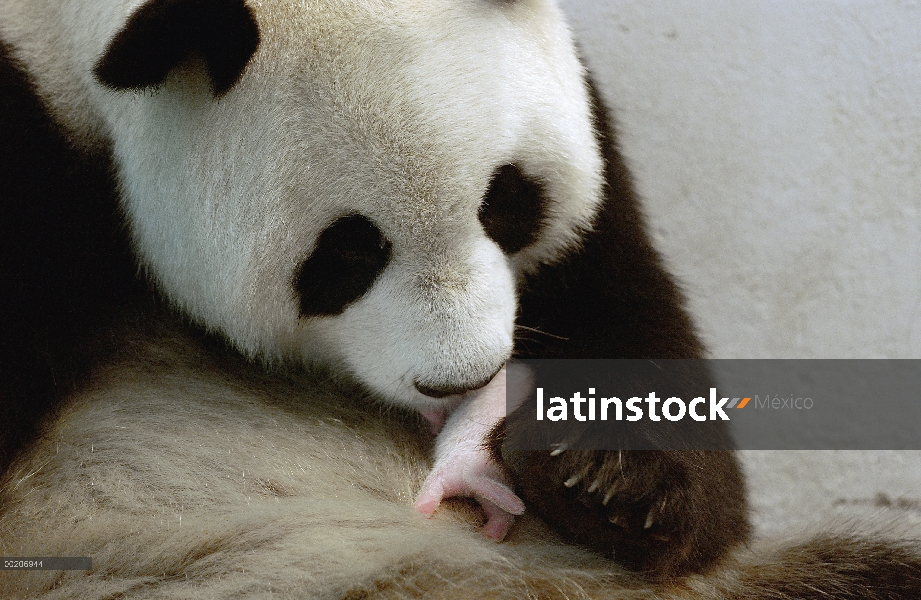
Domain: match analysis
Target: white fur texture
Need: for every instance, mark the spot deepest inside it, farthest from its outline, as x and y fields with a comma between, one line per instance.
x=183, y=475
x=346, y=107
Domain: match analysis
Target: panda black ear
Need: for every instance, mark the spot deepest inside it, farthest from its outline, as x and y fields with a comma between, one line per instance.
x=163, y=33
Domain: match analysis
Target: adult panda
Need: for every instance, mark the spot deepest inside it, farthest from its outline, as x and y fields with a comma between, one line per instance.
x=387, y=189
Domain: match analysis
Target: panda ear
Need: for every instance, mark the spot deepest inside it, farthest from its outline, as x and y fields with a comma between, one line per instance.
x=163, y=33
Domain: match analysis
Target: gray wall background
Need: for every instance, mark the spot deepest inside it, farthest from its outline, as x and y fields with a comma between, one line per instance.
x=777, y=147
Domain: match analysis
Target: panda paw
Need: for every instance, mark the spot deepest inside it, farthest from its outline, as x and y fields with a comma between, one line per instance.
x=662, y=513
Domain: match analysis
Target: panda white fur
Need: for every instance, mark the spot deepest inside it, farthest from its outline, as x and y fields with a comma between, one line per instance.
x=403, y=192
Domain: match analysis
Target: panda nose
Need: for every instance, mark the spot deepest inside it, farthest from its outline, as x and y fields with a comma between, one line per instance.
x=453, y=390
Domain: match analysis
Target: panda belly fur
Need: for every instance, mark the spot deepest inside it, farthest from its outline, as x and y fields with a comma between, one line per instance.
x=184, y=467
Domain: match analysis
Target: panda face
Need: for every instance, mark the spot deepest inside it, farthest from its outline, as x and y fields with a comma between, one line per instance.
x=368, y=189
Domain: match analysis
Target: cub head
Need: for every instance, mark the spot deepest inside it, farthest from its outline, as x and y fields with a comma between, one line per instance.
x=364, y=183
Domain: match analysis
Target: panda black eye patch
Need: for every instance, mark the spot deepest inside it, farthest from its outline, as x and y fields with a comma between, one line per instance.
x=512, y=211
x=349, y=256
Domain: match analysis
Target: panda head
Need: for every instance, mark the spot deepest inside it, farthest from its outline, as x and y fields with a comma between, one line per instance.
x=363, y=183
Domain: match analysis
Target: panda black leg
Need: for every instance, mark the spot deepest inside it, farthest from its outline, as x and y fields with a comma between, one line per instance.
x=658, y=511
x=661, y=513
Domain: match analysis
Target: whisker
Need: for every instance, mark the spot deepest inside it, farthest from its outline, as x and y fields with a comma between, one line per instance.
x=532, y=329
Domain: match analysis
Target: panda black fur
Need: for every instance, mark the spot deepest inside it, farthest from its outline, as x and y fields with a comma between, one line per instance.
x=184, y=469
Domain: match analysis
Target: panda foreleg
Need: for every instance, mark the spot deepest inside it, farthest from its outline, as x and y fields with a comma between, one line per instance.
x=659, y=511
x=465, y=467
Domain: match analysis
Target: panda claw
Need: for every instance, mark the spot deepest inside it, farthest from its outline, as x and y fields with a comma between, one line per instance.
x=578, y=476
x=619, y=521
x=558, y=449
x=608, y=496
x=654, y=513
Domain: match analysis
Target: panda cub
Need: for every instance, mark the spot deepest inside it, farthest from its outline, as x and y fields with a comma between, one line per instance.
x=409, y=193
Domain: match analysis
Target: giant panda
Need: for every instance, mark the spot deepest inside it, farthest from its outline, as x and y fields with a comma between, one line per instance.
x=260, y=252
